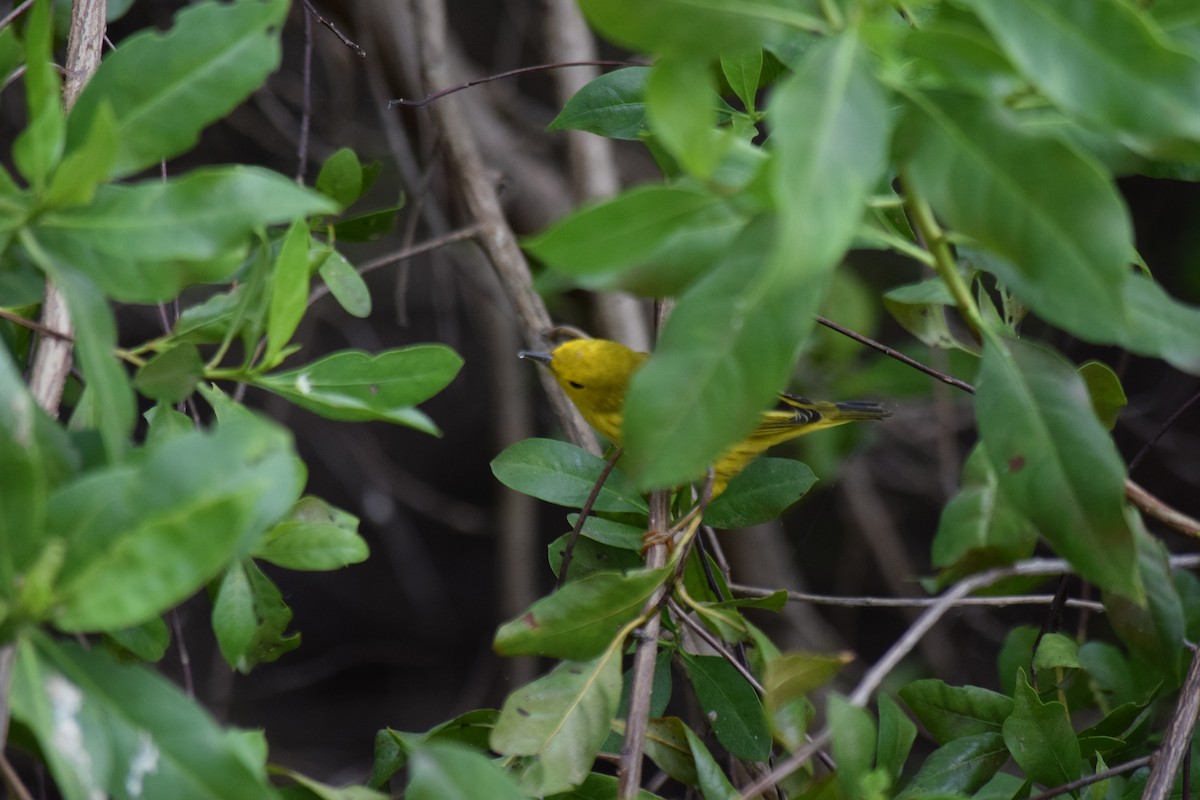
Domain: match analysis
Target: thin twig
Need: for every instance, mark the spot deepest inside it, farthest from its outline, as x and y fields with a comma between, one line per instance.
x=897, y=355
x=899, y=650
x=704, y=633
x=333, y=28
x=913, y=602
x=459, y=235
x=585, y=509
x=508, y=74
x=12, y=780
x=17, y=319
x=1133, y=462
x=305, y=98
x=16, y=12
x=1088, y=780
x=629, y=772
x=1157, y=509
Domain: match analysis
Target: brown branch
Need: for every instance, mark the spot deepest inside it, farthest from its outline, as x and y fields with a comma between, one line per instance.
x=1177, y=738
x=629, y=772
x=496, y=237
x=17, y=319
x=507, y=74
x=16, y=12
x=897, y=355
x=1088, y=780
x=333, y=29
x=584, y=510
x=1157, y=509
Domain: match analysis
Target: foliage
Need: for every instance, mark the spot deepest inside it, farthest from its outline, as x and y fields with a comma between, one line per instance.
x=108, y=524
x=982, y=141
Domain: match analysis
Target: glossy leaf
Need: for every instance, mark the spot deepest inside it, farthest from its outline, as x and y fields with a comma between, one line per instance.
x=959, y=767
x=590, y=557
x=1055, y=461
x=666, y=744
x=709, y=776
x=732, y=707
x=133, y=733
x=171, y=376
x=761, y=493
x=1107, y=63
x=165, y=87
x=955, y=712
x=559, y=472
x=354, y=386
x=1056, y=220
x=561, y=719
x=611, y=105
x=580, y=619
x=1040, y=738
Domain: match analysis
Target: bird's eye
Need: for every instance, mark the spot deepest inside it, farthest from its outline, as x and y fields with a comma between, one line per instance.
x=575, y=385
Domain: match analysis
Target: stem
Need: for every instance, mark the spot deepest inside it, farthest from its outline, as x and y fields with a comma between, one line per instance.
x=943, y=259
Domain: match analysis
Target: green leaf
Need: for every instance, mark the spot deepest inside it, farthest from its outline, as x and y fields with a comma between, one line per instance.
x=725, y=352
x=314, y=536
x=171, y=376
x=1056, y=650
x=960, y=767
x=148, y=641
x=346, y=285
x=733, y=709
x=611, y=105
x=920, y=308
x=322, y=791
x=250, y=618
x=369, y=226
x=581, y=619
x=1161, y=326
x=853, y=743
x=165, y=87
x=610, y=532
x=1040, y=738
x=761, y=493
x=638, y=228
x=795, y=675
x=697, y=28
x=112, y=408
x=144, y=242
x=35, y=457
x=956, y=712
x=143, y=537
x=1154, y=628
x=83, y=170
x=288, y=290
x=354, y=386
x=561, y=719
x=597, y=786
x=666, y=744
x=681, y=106
x=341, y=177
x=110, y=729
x=1108, y=63
x=709, y=776
x=742, y=71
x=896, y=736
x=559, y=472
x=39, y=147
x=1104, y=389
x=1055, y=461
x=1054, y=217
x=590, y=557
x=449, y=771
x=830, y=132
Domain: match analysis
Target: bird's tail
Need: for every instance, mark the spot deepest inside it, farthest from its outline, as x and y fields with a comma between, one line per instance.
x=844, y=411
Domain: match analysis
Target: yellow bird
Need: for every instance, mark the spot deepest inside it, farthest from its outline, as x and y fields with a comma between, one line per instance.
x=595, y=374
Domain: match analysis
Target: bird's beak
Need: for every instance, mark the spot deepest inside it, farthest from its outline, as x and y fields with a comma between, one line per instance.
x=545, y=358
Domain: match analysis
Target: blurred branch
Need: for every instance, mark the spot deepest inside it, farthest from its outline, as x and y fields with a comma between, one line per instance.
x=512, y=73
x=1153, y=507
x=312, y=12
x=497, y=238
x=1177, y=738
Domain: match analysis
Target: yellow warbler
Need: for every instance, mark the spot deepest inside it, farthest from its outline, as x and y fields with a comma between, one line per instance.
x=595, y=374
